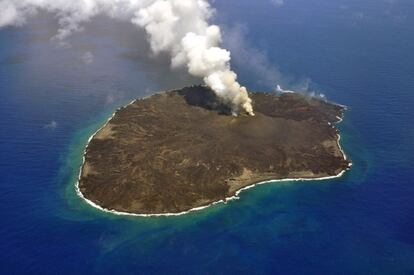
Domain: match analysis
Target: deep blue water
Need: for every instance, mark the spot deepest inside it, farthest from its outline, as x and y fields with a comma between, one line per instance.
x=358, y=53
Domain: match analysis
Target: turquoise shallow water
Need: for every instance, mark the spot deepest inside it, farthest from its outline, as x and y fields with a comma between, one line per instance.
x=357, y=53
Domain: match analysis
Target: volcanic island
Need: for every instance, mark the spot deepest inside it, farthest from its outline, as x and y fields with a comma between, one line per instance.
x=182, y=150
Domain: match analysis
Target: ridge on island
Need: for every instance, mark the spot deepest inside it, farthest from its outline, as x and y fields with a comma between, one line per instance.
x=181, y=150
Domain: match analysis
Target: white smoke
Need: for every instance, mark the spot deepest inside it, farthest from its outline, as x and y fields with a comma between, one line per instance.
x=179, y=27
x=277, y=3
x=281, y=90
x=87, y=58
x=313, y=94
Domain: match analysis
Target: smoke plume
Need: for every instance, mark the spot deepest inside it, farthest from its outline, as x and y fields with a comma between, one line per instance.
x=178, y=27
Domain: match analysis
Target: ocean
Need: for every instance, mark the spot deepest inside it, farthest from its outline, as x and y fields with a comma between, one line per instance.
x=356, y=53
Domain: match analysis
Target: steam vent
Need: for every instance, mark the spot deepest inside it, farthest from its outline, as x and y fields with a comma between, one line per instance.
x=180, y=150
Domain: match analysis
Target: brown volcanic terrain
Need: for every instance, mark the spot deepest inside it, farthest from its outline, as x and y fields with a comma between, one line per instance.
x=180, y=149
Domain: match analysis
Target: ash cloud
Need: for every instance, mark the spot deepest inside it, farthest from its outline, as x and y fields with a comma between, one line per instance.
x=176, y=27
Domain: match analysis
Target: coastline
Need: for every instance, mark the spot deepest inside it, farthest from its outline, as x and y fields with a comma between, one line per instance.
x=225, y=200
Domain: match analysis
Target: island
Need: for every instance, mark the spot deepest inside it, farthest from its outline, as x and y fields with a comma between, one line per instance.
x=182, y=150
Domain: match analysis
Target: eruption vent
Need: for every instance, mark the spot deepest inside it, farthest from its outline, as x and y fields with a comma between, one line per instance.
x=179, y=27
